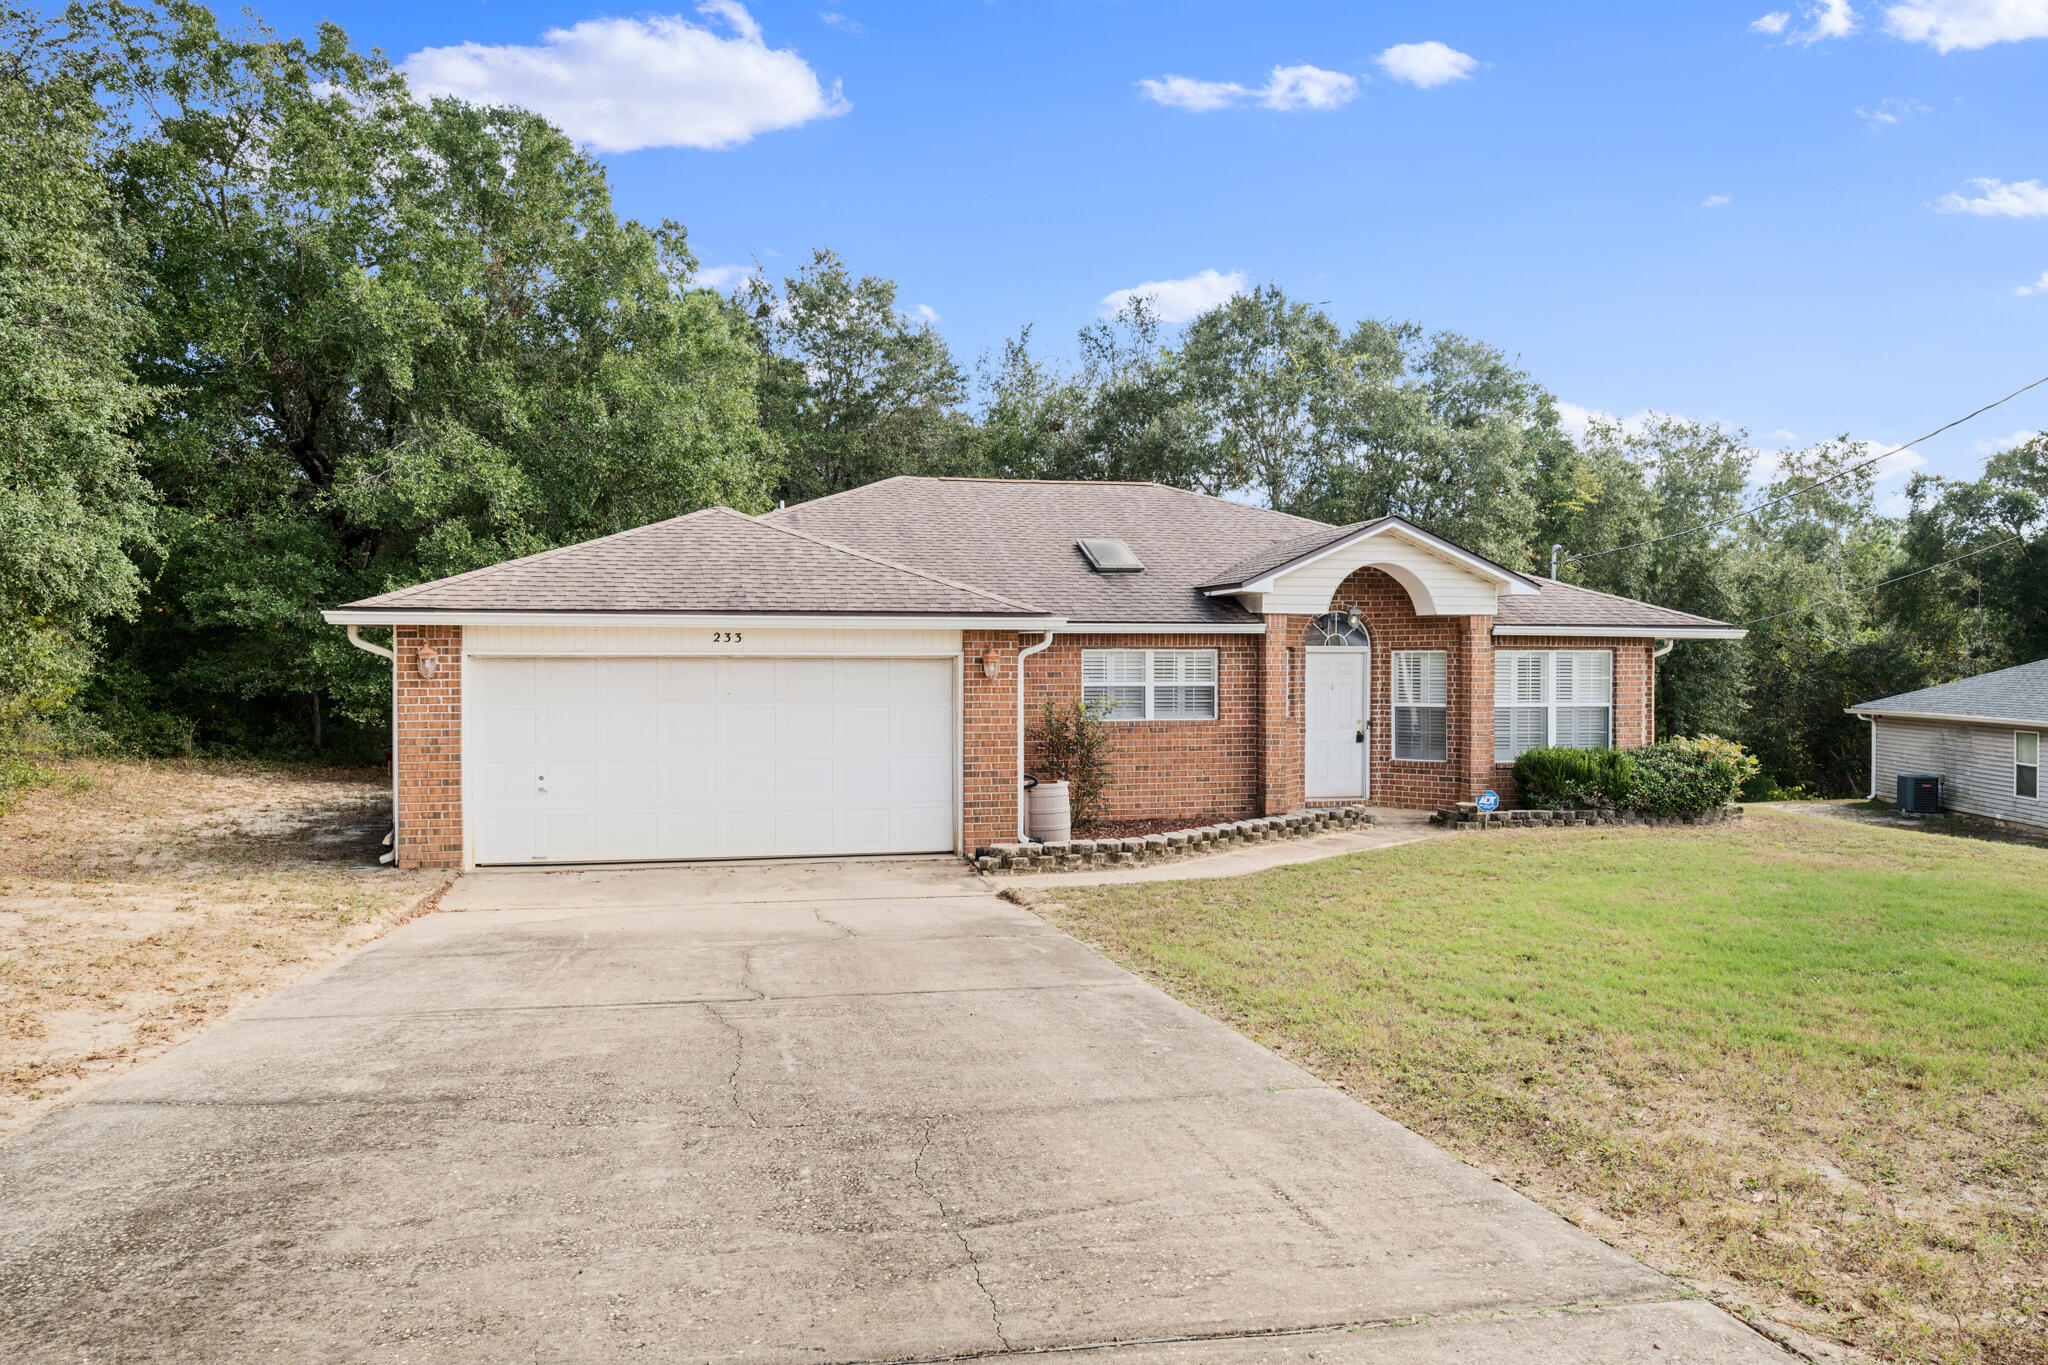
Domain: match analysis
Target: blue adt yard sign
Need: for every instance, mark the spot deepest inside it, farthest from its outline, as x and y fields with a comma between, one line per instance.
x=1489, y=799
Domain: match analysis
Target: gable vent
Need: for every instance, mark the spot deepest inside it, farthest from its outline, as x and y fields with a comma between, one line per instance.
x=1111, y=556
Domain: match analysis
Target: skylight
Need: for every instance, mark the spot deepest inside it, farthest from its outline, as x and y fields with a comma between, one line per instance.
x=1111, y=556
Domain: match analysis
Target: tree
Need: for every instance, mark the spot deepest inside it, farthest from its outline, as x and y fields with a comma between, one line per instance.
x=400, y=342
x=72, y=503
x=852, y=389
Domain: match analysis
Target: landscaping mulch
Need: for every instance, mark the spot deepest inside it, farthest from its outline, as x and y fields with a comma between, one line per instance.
x=1138, y=829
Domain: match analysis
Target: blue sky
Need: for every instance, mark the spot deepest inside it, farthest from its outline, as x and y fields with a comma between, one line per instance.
x=1800, y=218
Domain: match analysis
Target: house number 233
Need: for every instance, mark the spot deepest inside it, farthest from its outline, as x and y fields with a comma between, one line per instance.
x=725, y=637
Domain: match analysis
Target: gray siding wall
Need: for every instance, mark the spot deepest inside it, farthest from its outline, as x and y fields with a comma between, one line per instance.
x=1973, y=761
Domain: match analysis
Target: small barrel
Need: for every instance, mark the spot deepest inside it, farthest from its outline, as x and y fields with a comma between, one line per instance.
x=1050, y=820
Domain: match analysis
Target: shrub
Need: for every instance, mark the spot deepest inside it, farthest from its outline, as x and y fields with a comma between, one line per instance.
x=1072, y=744
x=1762, y=787
x=1561, y=779
x=1680, y=776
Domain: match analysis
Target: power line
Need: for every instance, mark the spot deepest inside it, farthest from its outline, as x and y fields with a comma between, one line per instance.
x=1982, y=549
x=1782, y=497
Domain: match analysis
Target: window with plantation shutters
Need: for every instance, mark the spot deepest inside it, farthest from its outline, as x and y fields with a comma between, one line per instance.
x=1151, y=684
x=1544, y=698
x=1419, y=705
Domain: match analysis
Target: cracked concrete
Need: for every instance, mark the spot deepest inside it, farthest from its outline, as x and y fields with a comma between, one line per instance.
x=713, y=1114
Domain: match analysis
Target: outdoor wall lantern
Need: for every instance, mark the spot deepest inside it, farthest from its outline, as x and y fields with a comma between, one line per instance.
x=429, y=661
x=990, y=664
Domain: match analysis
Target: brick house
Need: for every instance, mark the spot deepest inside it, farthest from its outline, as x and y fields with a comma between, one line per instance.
x=856, y=674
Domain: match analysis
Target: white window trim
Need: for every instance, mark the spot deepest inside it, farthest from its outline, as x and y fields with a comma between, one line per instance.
x=1395, y=705
x=2017, y=794
x=1551, y=706
x=1151, y=685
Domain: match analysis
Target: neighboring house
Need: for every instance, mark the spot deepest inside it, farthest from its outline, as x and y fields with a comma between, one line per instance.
x=1980, y=736
x=842, y=677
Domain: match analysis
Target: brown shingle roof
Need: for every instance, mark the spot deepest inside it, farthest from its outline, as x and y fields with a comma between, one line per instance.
x=1567, y=604
x=715, y=560
x=1017, y=537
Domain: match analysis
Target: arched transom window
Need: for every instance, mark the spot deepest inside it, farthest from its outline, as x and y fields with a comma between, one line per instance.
x=1337, y=628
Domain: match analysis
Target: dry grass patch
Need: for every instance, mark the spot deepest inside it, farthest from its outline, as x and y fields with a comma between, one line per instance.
x=141, y=901
x=1801, y=1062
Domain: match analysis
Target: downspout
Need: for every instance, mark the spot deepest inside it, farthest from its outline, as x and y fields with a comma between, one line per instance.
x=360, y=643
x=1655, y=655
x=1873, y=758
x=1023, y=835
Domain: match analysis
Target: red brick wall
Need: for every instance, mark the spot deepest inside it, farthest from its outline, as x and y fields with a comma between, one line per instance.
x=1283, y=734
x=1170, y=767
x=426, y=747
x=988, y=737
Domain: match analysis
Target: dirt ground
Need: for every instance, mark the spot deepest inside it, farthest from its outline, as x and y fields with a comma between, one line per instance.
x=140, y=902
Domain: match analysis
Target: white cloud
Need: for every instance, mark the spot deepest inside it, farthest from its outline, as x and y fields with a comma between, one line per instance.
x=1830, y=19
x=1825, y=19
x=722, y=276
x=1890, y=111
x=1996, y=199
x=1715, y=201
x=1308, y=87
x=1576, y=419
x=1947, y=25
x=1286, y=88
x=1998, y=443
x=1197, y=97
x=845, y=23
x=1425, y=64
x=2039, y=286
x=624, y=84
x=928, y=315
x=1179, y=300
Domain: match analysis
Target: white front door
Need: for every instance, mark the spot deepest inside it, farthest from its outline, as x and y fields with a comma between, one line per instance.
x=617, y=759
x=1337, y=749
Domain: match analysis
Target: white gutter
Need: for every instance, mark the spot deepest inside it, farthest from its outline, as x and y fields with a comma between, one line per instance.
x=1630, y=632
x=1023, y=835
x=1873, y=756
x=1657, y=654
x=390, y=616
x=1948, y=716
x=360, y=643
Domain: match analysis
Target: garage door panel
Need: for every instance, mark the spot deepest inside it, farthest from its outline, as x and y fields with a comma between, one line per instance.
x=566, y=679
x=689, y=679
x=920, y=780
x=623, y=759
x=628, y=679
x=629, y=731
x=505, y=731
x=630, y=784
x=568, y=729
x=689, y=730
x=505, y=838
x=498, y=681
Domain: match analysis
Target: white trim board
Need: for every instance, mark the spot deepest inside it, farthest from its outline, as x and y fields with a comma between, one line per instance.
x=1948, y=717
x=1630, y=632
x=1160, y=628
x=1512, y=583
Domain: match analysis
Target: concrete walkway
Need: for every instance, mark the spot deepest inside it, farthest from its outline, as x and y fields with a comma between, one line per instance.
x=815, y=1113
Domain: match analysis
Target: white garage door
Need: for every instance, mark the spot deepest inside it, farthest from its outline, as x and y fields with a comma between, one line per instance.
x=614, y=760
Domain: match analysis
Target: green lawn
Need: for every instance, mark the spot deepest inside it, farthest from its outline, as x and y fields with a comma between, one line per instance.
x=1804, y=1062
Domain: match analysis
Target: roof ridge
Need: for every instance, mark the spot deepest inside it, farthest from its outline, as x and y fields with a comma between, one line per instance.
x=539, y=555
x=890, y=563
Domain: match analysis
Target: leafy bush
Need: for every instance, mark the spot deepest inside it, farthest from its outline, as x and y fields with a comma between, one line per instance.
x=1764, y=787
x=1072, y=745
x=1562, y=779
x=1680, y=776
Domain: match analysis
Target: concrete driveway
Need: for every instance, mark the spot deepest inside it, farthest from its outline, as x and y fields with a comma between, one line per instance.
x=817, y=1113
